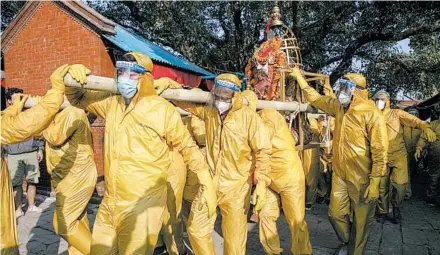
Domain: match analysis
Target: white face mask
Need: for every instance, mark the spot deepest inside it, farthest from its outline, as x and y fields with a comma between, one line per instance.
x=344, y=99
x=222, y=107
x=127, y=87
x=380, y=104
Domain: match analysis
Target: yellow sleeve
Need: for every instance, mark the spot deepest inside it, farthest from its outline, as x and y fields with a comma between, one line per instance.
x=22, y=126
x=327, y=104
x=197, y=110
x=328, y=91
x=178, y=137
x=63, y=127
x=332, y=124
x=410, y=120
x=261, y=146
x=377, y=134
x=95, y=102
x=198, y=130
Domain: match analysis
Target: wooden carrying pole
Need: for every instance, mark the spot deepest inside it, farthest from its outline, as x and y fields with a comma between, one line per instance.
x=108, y=84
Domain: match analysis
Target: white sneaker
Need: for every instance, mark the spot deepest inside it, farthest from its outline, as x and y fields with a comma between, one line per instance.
x=343, y=250
x=18, y=213
x=34, y=208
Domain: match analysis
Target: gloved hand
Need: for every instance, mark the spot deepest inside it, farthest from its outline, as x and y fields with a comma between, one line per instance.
x=417, y=154
x=57, y=78
x=429, y=134
x=209, y=196
x=79, y=73
x=18, y=103
x=372, y=191
x=162, y=84
x=297, y=74
x=258, y=198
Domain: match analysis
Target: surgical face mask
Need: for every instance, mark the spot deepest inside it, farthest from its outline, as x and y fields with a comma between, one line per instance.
x=380, y=104
x=222, y=107
x=344, y=99
x=127, y=87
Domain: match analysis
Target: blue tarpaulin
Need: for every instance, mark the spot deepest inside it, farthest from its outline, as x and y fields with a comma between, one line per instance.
x=128, y=41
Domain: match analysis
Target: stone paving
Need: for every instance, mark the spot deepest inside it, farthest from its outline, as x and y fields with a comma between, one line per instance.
x=418, y=233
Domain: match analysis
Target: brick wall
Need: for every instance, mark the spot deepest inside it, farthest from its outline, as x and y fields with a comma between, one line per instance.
x=50, y=39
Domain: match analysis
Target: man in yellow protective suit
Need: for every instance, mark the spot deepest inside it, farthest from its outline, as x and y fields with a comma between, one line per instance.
x=69, y=158
x=411, y=136
x=316, y=162
x=197, y=130
x=233, y=133
x=140, y=127
x=433, y=149
x=359, y=157
x=397, y=156
x=288, y=185
x=311, y=168
x=172, y=229
x=182, y=184
x=17, y=126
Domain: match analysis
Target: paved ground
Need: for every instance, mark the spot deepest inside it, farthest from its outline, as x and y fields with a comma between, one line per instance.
x=419, y=232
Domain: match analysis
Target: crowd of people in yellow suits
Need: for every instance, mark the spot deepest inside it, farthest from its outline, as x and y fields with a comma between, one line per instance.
x=163, y=172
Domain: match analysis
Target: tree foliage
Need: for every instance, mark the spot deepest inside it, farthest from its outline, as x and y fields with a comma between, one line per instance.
x=335, y=37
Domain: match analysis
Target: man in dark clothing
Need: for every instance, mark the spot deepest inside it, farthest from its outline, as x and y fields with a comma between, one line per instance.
x=23, y=161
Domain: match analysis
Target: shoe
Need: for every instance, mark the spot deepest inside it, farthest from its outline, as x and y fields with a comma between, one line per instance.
x=160, y=250
x=18, y=213
x=431, y=202
x=34, y=208
x=396, y=215
x=320, y=200
x=343, y=250
x=308, y=207
x=380, y=218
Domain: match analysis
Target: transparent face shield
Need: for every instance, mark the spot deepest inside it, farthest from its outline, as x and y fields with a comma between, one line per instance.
x=344, y=90
x=129, y=70
x=222, y=94
x=414, y=112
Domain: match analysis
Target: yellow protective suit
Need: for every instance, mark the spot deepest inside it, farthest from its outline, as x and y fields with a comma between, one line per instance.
x=17, y=126
x=172, y=229
x=359, y=157
x=196, y=128
x=288, y=183
x=230, y=144
x=433, y=159
x=411, y=136
x=137, y=140
x=397, y=157
x=311, y=162
x=69, y=159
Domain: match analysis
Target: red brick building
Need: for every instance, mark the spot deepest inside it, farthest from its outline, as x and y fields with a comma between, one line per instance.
x=45, y=35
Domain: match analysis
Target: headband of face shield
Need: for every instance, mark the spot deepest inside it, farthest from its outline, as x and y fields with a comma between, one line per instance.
x=344, y=90
x=128, y=77
x=414, y=112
